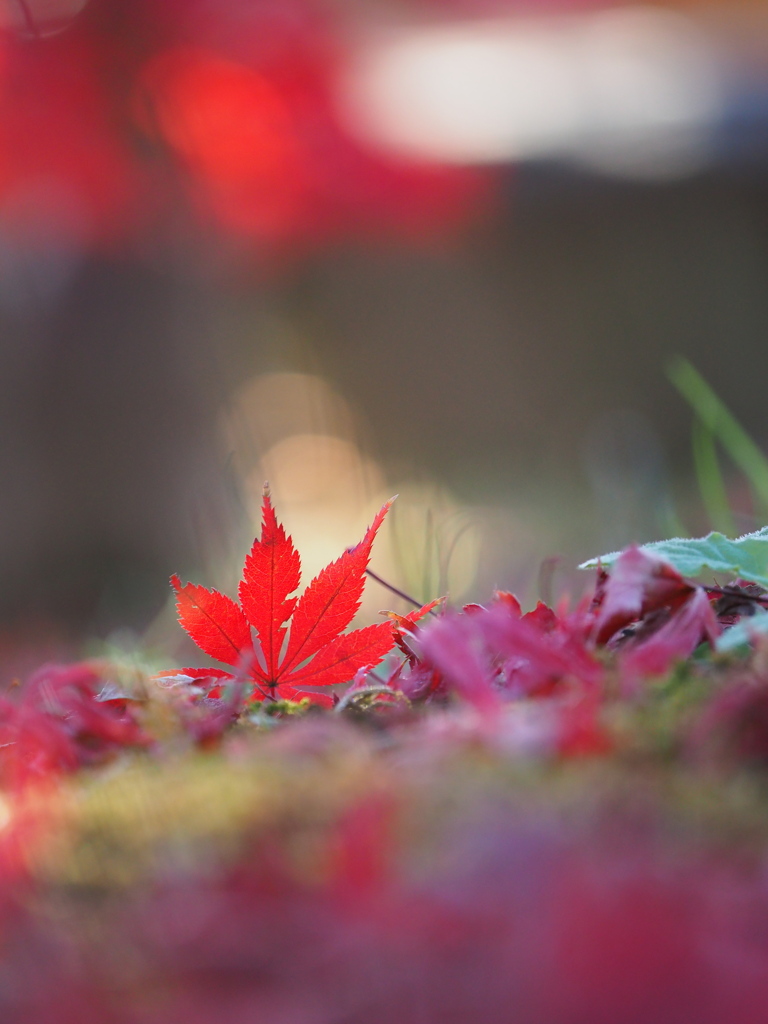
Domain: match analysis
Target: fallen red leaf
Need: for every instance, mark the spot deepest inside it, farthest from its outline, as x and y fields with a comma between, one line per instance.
x=639, y=583
x=300, y=639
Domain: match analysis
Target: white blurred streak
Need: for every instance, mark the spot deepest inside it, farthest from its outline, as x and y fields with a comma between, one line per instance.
x=654, y=92
x=635, y=90
x=465, y=93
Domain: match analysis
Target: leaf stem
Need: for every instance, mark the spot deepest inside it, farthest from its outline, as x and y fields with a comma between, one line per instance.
x=393, y=589
x=761, y=599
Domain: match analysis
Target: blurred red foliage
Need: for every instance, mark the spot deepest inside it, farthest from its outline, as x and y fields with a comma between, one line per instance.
x=62, y=720
x=135, y=118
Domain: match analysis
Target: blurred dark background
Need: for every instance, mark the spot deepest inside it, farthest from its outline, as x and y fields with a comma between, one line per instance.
x=437, y=248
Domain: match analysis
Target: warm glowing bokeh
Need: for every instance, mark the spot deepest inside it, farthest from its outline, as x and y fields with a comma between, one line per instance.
x=295, y=432
x=481, y=227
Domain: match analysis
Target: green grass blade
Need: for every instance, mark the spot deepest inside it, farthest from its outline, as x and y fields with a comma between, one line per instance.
x=724, y=427
x=710, y=479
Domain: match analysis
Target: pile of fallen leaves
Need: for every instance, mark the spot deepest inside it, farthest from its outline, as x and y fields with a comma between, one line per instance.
x=454, y=815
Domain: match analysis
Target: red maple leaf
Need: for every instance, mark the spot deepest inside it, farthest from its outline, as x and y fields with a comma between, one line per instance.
x=300, y=640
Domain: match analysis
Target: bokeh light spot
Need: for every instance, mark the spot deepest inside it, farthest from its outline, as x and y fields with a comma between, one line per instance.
x=231, y=126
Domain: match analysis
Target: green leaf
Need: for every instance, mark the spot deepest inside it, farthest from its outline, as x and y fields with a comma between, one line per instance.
x=743, y=632
x=746, y=557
